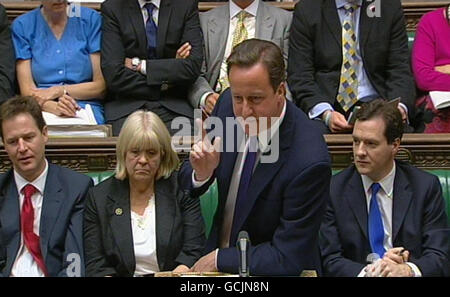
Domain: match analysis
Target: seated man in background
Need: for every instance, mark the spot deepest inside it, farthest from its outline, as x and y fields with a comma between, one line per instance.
x=344, y=52
x=226, y=26
x=139, y=57
x=7, y=68
x=273, y=174
x=41, y=209
x=385, y=209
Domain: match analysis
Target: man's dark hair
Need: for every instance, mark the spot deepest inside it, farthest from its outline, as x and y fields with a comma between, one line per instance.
x=253, y=51
x=388, y=112
x=21, y=104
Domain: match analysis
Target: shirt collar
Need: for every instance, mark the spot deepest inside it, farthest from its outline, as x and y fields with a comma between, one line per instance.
x=264, y=137
x=341, y=3
x=143, y=2
x=251, y=9
x=387, y=183
x=38, y=183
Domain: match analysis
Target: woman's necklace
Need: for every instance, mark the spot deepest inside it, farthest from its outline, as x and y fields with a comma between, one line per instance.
x=142, y=220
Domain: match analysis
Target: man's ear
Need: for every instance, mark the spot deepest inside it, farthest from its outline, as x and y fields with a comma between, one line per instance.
x=396, y=146
x=45, y=133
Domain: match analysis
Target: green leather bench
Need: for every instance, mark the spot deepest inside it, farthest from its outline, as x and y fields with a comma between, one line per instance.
x=209, y=201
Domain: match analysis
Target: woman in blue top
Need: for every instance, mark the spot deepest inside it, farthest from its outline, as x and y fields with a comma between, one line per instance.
x=58, y=57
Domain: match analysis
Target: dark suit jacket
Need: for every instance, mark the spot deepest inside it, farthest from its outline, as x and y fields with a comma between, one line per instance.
x=7, y=59
x=108, y=237
x=419, y=223
x=61, y=225
x=286, y=199
x=315, y=53
x=167, y=78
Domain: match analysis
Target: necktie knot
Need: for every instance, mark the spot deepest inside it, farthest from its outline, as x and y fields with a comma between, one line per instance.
x=375, y=188
x=150, y=7
x=29, y=190
x=350, y=8
x=242, y=15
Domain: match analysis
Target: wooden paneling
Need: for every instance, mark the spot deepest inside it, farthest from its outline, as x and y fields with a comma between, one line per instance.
x=413, y=9
x=427, y=151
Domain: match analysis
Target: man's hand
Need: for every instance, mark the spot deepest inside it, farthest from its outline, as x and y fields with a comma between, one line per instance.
x=389, y=269
x=443, y=69
x=43, y=95
x=337, y=123
x=181, y=268
x=206, y=263
x=204, y=156
x=184, y=51
x=396, y=255
x=210, y=102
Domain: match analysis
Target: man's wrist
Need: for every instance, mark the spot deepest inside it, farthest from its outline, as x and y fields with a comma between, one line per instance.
x=326, y=117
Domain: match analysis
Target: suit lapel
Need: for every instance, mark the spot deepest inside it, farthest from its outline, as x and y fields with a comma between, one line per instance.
x=165, y=214
x=138, y=25
x=163, y=23
x=356, y=198
x=264, y=23
x=331, y=17
x=366, y=25
x=10, y=219
x=118, y=207
x=402, y=200
x=218, y=26
x=52, y=201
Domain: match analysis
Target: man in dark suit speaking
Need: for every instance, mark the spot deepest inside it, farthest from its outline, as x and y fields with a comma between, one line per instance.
x=344, y=52
x=279, y=201
x=41, y=204
x=384, y=209
x=139, y=57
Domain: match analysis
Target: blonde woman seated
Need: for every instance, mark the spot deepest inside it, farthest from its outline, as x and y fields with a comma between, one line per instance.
x=139, y=221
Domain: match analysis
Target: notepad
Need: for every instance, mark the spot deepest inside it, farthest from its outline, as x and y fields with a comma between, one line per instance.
x=440, y=99
x=84, y=116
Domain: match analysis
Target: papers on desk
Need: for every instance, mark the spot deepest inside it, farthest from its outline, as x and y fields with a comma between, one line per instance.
x=84, y=116
x=440, y=99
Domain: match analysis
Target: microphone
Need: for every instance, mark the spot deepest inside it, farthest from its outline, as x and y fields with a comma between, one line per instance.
x=243, y=245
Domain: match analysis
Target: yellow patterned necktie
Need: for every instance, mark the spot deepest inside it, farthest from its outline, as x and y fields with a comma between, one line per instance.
x=240, y=34
x=348, y=86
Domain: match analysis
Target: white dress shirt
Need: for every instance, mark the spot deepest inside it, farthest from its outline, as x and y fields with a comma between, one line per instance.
x=144, y=240
x=250, y=25
x=155, y=15
x=24, y=264
x=385, y=198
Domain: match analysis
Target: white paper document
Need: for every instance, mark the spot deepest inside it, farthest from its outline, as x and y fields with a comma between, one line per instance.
x=83, y=117
x=440, y=99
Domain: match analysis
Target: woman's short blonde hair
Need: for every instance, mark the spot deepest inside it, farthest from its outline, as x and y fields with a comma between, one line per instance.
x=144, y=130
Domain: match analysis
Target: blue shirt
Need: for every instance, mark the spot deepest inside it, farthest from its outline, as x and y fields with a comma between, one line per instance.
x=57, y=62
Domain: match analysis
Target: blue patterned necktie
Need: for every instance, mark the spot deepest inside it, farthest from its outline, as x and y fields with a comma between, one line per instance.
x=376, y=229
x=151, y=31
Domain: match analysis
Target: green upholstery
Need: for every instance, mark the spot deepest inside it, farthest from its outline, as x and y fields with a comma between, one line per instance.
x=411, y=36
x=208, y=203
x=97, y=177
